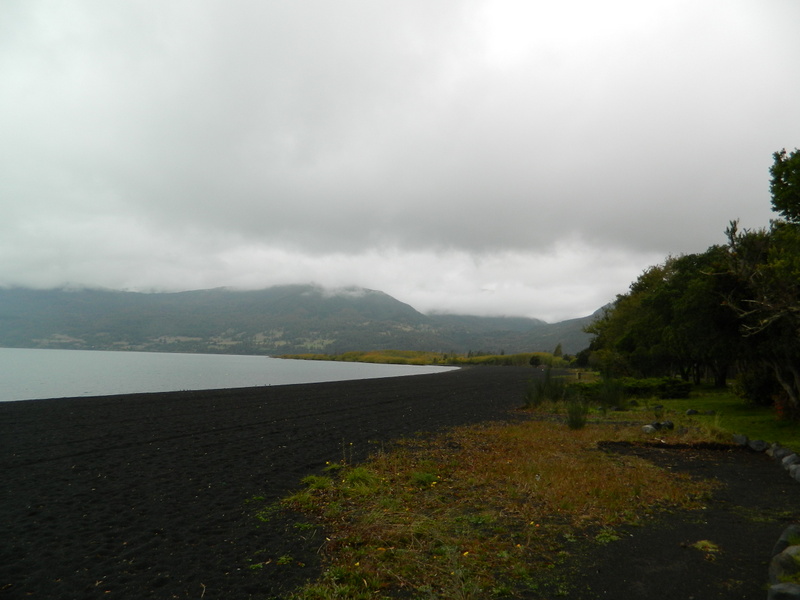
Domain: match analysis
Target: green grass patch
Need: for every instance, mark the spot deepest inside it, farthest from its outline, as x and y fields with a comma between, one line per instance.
x=732, y=415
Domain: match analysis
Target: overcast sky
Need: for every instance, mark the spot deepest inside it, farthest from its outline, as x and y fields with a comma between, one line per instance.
x=485, y=157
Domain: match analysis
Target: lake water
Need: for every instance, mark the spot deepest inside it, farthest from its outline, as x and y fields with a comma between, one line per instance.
x=27, y=374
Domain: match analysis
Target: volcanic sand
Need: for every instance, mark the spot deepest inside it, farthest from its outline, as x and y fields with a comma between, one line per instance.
x=148, y=495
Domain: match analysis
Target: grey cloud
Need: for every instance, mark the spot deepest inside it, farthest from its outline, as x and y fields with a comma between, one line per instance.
x=351, y=127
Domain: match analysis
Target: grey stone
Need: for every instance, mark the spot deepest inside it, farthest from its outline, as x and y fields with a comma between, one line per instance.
x=790, y=460
x=779, y=452
x=649, y=429
x=668, y=425
x=784, y=565
x=740, y=439
x=784, y=591
x=691, y=411
x=757, y=445
x=789, y=537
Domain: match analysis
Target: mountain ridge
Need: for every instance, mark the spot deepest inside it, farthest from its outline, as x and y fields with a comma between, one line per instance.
x=285, y=319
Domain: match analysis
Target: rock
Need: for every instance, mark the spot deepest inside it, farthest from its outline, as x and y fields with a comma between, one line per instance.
x=655, y=425
x=740, y=439
x=779, y=452
x=649, y=429
x=784, y=591
x=757, y=445
x=668, y=425
x=789, y=537
x=785, y=565
x=790, y=460
x=691, y=412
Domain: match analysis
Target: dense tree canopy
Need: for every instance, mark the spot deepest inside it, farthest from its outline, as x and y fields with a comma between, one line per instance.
x=737, y=304
x=674, y=319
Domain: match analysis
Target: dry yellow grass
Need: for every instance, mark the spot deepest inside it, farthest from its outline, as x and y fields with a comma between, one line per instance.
x=483, y=511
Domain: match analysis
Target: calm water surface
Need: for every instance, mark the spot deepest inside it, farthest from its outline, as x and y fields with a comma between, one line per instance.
x=34, y=374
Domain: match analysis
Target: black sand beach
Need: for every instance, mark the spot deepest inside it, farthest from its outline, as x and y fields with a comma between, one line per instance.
x=145, y=496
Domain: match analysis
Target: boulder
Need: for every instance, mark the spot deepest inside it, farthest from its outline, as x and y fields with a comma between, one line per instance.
x=740, y=439
x=649, y=429
x=691, y=412
x=779, y=452
x=785, y=565
x=789, y=537
x=757, y=445
x=784, y=591
x=790, y=460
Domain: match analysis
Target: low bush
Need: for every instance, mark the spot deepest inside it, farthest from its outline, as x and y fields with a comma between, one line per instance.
x=757, y=384
x=549, y=387
x=577, y=412
x=611, y=392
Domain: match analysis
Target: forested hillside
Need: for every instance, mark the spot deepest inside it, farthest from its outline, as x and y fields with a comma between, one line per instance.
x=277, y=320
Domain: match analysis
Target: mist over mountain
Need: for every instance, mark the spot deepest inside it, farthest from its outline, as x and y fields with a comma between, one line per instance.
x=277, y=320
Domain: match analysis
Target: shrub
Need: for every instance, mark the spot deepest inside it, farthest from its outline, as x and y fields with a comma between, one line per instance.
x=608, y=391
x=546, y=388
x=611, y=393
x=757, y=385
x=577, y=411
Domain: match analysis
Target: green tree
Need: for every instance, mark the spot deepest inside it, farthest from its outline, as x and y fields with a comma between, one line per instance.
x=785, y=184
x=673, y=320
x=766, y=266
x=766, y=263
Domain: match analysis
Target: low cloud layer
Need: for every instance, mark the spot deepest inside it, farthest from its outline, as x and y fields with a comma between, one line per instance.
x=468, y=156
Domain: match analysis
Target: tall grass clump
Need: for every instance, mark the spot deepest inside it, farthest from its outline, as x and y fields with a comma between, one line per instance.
x=545, y=388
x=577, y=410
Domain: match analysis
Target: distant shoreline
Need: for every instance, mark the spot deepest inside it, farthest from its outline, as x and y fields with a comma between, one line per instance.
x=37, y=373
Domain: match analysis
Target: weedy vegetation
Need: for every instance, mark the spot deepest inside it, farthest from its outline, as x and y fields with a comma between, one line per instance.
x=499, y=510
x=414, y=357
x=480, y=512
